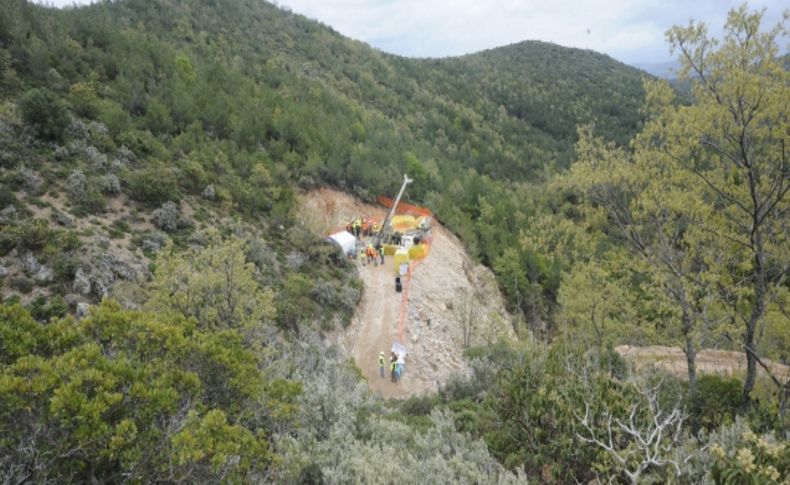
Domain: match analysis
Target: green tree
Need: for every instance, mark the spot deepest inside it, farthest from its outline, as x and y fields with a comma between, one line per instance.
x=215, y=285
x=84, y=100
x=659, y=217
x=124, y=395
x=46, y=112
x=730, y=144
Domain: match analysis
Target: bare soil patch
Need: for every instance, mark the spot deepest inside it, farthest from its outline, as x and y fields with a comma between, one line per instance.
x=709, y=361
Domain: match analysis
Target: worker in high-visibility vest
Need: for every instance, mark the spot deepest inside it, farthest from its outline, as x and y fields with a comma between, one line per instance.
x=393, y=367
x=371, y=254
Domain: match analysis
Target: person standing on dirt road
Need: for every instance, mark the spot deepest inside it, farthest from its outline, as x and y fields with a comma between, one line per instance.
x=381, y=364
x=393, y=367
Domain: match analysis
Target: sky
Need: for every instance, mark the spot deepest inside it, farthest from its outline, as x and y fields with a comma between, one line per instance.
x=631, y=31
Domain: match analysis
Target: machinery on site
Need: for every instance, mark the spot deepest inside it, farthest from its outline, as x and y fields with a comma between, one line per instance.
x=379, y=236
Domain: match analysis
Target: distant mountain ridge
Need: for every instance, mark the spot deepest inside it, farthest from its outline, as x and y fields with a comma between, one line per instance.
x=664, y=70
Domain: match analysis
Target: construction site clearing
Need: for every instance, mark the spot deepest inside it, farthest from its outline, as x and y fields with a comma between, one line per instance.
x=410, y=304
x=404, y=235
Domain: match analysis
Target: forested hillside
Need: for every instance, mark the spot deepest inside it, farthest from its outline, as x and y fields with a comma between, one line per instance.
x=164, y=311
x=281, y=91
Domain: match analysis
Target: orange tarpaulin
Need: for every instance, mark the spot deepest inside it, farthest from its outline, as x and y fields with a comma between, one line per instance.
x=404, y=207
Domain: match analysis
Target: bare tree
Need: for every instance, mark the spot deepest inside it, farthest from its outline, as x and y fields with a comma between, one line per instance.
x=646, y=439
x=467, y=309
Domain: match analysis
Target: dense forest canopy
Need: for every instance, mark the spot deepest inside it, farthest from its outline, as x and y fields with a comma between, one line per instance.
x=611, y=209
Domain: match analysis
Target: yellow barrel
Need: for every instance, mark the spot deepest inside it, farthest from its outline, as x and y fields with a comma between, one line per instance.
x=401, y=257
x=389, y=249
x=418, y=251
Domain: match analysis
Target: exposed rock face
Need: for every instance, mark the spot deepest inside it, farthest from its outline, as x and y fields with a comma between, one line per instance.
x=41, y=273
x=81, y=284
x=83, y=309
x=101, y=272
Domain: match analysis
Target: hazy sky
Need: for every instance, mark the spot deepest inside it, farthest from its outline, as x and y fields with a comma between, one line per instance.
x=628, y=30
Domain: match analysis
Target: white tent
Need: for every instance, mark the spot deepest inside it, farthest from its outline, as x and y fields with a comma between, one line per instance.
x=346, y=241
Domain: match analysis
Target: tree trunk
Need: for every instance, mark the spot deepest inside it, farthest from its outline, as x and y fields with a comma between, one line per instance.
x=690, y=350
x=691, y=362
x=758, y=309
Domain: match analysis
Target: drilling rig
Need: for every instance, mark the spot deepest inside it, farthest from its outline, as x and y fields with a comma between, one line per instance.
x=379, y=236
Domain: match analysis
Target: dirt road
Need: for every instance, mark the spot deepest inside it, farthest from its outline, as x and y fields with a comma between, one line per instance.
x=377, y=322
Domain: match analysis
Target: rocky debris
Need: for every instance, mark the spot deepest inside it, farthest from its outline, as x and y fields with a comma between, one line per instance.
x=81, y=284
x=110, y=184
x=119, y=268
x=209, y=192
x=83, y=309
x=167, y=217
x=76, y=183
x=3, y=271
x=101, y=271
x=154, y=241
x=63, y=219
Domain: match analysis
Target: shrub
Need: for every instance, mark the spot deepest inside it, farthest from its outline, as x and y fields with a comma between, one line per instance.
x=43, y=308
x=84, y=100
x=6, y=197
x=76, y=184
x=65, y=267
x=45, y=112
x=7, y=243
x=31, y=235
x=748, y=457
x=110, y=184
x=153, y=186
x=295, y=303
x=717, y=401
x=22, y=284
x=167, y=217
